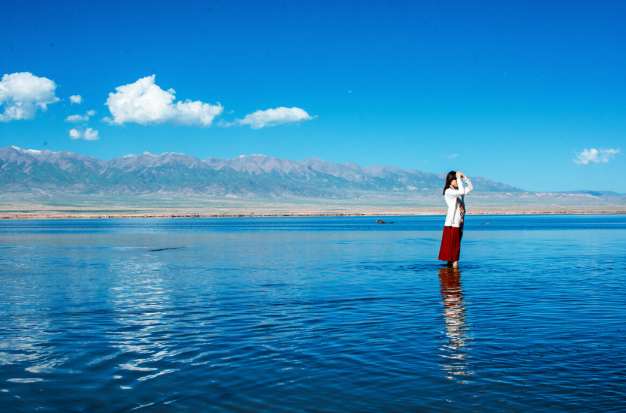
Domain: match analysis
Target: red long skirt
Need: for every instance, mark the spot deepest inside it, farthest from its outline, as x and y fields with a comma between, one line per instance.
x=450, y=244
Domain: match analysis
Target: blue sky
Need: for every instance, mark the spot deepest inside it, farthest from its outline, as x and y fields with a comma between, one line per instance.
x=512, y=91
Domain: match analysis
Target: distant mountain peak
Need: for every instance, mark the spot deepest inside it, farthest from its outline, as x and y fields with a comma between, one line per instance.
x=352, y=165
x=146, y=153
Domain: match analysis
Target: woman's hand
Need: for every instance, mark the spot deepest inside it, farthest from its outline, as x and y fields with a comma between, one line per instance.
x=459, y=175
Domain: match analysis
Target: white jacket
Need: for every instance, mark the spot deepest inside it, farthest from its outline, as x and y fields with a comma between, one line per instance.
x=454, y=197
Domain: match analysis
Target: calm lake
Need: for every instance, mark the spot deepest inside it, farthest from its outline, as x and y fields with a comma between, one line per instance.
x=313, y=315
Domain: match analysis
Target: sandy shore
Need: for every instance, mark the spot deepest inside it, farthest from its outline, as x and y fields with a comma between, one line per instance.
x=68, y=206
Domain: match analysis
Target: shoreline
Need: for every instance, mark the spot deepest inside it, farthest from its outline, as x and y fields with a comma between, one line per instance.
x=113, y=215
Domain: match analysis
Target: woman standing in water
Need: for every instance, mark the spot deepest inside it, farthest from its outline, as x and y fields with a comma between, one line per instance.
x=454, y=193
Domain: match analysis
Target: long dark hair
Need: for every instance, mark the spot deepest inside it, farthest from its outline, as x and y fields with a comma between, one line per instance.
x=451, y=177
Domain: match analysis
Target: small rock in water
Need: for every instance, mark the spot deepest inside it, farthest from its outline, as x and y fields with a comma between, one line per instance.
x=163, y=249
x=380, y=222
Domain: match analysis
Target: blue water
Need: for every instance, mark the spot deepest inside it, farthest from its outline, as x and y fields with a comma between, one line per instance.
x=312, y=315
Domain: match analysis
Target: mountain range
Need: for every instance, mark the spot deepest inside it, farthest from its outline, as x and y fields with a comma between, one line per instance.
x=245, y=176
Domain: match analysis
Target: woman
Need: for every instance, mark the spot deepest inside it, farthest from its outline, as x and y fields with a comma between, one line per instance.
x=454, y=193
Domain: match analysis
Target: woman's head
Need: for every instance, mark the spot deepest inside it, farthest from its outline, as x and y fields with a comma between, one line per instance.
x=450, y=180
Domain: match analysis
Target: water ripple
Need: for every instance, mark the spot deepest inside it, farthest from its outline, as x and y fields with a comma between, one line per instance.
x=302, y=320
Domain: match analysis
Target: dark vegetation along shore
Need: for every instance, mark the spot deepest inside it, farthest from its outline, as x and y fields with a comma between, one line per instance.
x=90, y=216
x=47, y=184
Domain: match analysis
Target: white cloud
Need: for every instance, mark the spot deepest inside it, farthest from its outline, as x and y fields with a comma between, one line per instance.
x=146, y=103
x=273, y=117
x=453, y=156
x=89, y=134
x=595, y=156
x=78, y=99
x=22, y=94
x=79, y=118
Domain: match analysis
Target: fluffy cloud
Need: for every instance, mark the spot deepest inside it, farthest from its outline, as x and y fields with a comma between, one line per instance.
x=595, y=156
x=79, y=118
x=78, y=99
x=146, y=103
x=22, y=94
x=89, y=134
x=273, y=117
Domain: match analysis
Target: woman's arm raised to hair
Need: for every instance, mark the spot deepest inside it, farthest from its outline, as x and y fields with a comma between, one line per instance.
x=451, y=192
x=469, y=188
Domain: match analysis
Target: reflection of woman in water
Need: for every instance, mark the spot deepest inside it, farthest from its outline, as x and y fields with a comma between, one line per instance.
x=456, y=349
x=454, y=193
